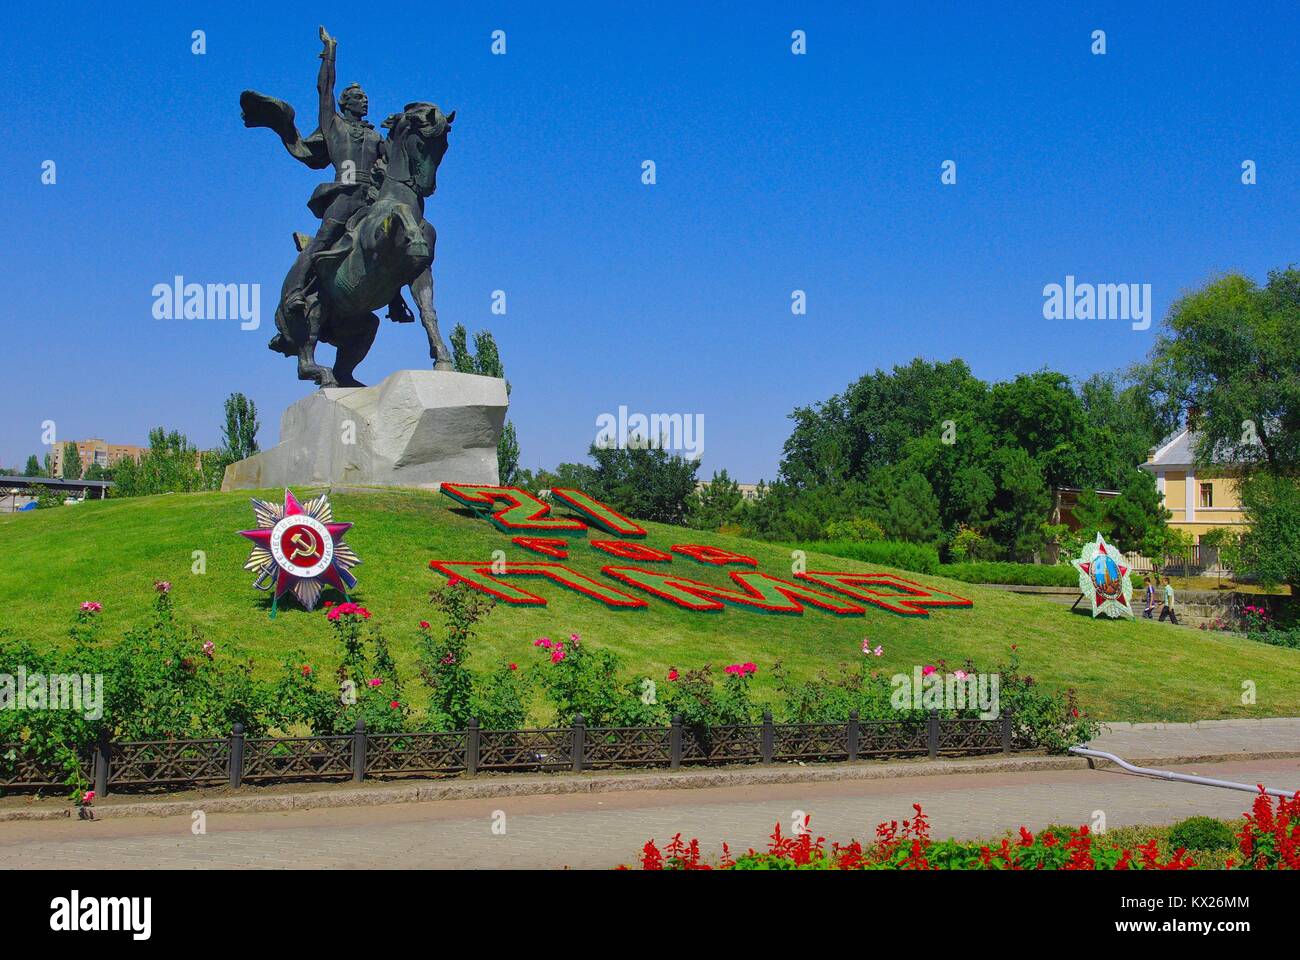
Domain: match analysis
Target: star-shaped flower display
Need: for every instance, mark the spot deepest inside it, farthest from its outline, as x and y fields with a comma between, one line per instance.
x=1103, y=579
x=299, y=548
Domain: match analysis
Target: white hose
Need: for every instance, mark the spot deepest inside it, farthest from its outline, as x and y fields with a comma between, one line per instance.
x=1185, y=777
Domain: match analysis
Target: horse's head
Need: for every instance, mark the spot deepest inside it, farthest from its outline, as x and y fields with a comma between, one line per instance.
x=418, y=140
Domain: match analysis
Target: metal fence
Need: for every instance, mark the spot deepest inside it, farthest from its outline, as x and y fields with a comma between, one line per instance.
x=237, y=759
x=1196, y=559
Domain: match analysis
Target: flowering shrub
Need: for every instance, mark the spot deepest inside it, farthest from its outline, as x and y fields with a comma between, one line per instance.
x=444, y=655
x=500, y=699
x=580, y=679
x=367, y=685
x=1270, y=840
x=702, y=704
x=1256, y=618
x=1260, y=625
x=1047, y=718
x=160, y=681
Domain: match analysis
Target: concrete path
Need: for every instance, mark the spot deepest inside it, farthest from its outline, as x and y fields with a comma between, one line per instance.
x=603, y=830
x=1205, y=738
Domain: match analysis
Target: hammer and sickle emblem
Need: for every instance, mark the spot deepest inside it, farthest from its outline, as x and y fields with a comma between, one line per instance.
x=303, y=546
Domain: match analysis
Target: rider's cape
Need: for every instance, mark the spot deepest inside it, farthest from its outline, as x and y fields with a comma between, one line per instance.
x=259, y=110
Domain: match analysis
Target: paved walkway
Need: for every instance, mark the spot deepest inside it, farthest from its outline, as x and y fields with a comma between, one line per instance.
x=1205, y=738
x=602, y=830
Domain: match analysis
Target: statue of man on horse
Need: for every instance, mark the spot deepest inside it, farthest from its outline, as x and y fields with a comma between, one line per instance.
x=373, y=238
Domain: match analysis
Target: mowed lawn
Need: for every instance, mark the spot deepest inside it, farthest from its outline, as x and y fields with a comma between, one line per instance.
x=112, y=551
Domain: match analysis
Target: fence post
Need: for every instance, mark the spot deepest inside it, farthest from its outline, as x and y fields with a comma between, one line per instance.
x=853, y=734
x=675, y=742
x=1006, y=729
x=359, y=752
x=237, y=755
x=767, y=742
x=932, y=730
x=579, y=741
x=103, y=752
x=471, y=747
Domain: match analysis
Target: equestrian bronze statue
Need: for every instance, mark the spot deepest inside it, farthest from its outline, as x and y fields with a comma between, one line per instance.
x=373, y=238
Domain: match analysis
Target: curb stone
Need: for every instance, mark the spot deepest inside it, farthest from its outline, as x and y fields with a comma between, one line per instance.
x=486, y=788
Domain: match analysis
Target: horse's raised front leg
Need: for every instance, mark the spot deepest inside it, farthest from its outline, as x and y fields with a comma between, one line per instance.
x=308, y=368
x=422, y=291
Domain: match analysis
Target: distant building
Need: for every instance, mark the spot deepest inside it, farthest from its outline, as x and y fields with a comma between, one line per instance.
x=96, y=451
x=1064, y=500
x=1201, y=499
x=748, y=491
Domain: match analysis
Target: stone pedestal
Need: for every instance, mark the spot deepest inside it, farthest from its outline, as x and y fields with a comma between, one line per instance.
x=417, y=428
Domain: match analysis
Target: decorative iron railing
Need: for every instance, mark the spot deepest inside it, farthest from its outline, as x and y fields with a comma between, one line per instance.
x=235, y=759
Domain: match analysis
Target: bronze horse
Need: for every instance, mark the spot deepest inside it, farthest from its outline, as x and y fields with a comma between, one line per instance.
x=387, y=245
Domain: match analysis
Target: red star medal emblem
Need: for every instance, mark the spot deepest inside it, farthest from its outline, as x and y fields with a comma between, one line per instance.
x=299, y=549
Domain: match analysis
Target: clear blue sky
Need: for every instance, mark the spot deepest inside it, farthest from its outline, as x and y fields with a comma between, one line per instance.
x=775, y=172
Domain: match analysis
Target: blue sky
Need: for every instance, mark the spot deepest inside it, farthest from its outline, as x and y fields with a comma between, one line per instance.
x=775, y=173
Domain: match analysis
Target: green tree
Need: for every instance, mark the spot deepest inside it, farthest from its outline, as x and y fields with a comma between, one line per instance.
x=905, y=507
x=1092, y=514
x=644, y=482
x=1231, y=351
x=71, y=462
x=715, y=503
x=868, y=426
x=170, y=465
x=33, y=467
x=1226, y=543
x=1022, y=504
x=486, y=362
x=239, y=433
x=508, y=455
x=1122, y=424
x=1040, y=414
x=1138, y=513
x=1270, y=549
x=461, y=359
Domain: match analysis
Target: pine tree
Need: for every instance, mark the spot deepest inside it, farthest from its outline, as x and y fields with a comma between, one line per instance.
x=33, y=468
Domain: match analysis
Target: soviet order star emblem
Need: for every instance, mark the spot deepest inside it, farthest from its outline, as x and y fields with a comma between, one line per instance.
x=1103, y=579
x=299, y=549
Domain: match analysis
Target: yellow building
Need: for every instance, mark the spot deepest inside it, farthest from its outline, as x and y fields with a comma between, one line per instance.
x=1200, y=499
x=96, y=451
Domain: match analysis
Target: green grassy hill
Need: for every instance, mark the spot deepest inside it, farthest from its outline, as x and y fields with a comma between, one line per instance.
x=112, y=551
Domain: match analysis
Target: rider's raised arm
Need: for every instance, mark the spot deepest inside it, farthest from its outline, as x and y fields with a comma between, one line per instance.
x=325, y=81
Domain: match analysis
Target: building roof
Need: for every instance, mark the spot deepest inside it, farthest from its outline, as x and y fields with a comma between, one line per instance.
x=1178, y=450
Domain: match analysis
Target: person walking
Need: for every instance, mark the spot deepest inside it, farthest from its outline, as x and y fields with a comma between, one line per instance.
x=1149, y=589
x=1168, y=609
